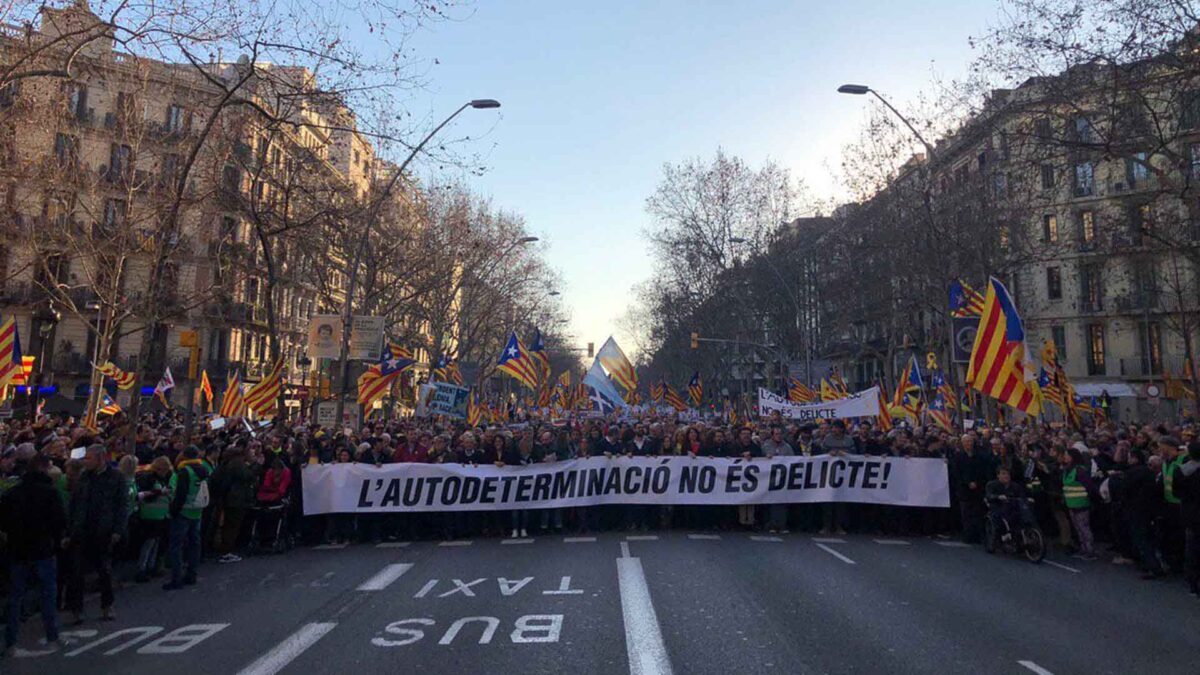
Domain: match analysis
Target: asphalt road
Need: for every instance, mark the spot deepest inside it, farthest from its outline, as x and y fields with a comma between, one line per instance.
x=670, y=603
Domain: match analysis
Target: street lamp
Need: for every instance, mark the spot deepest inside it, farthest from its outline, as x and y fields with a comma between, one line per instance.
x=862, y=89
x=553, y=293
x=347, y=310
x=527, y=240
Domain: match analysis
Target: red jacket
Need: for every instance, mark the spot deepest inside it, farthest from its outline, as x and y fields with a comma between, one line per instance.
x=274, y=485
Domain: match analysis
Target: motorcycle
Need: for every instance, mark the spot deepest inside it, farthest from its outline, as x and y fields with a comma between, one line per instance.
x=1027, y=540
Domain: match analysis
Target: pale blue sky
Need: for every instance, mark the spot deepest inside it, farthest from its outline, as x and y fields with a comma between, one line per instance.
x=597, y=96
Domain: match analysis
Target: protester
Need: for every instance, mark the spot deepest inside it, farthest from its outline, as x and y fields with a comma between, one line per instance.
x=32, y=523
x=154, y=490
x=98, y=522
x=186, y=511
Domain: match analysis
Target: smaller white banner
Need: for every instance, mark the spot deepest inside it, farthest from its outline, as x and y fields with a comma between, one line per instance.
x=863, y=404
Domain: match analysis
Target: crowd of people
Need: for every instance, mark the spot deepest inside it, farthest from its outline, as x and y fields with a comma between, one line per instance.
x=152, y=500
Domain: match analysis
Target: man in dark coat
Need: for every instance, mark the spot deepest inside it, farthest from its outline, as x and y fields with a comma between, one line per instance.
x=98, y=520
x=32, y=520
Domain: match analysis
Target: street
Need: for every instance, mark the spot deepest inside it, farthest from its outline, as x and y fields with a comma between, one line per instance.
x=654, y=603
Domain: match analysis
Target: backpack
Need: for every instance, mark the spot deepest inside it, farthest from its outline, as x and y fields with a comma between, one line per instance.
x=200, y=499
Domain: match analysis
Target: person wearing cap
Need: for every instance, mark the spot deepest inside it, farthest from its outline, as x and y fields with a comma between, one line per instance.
x=98, y=521
x=32, y=520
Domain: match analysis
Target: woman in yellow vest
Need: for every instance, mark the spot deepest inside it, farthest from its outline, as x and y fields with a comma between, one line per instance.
x=155, y=488
x=1076, y=481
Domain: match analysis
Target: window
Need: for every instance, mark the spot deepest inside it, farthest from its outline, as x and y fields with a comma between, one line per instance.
x=1194, y=160
x=1050, y=228
x=114, y=214
x=1054, y=283
x=1085, y=178
x=1084, y=132
x=1141, y=223
x=1087, y=227
x=981, y=160
x=1189, y=113
x=176, y=121
x=1144, y=275
x=1043, y=128
x=1136, y=170
x=999, y=186
x=1047, y=176
x=231, y=178
x=1058, y=334
x=66, y=149
x=1091, y=291
x=1095, y=333
x=77, y=99
x=229, y=229
x=263, y=144
x=120, y=162
x=8, y=94
x=1003, y=143
x=1150, y=346
x=170, y=169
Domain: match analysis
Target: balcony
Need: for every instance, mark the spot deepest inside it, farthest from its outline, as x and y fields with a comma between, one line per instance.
x=71, y=363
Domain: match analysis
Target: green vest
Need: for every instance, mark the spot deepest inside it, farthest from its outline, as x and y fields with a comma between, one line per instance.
x=192, y=485
x=1074, y=493
x=157, y=508
x=1169, y=479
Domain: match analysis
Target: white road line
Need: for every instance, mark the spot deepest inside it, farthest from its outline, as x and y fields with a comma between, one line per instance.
x=455, y=543
x=704, y=536
x=892, y=542
x=285, y=652
x=330, y=547
x=1061, y=566
x=516, y=541
x=1035, y=667
x=953, y=544
x=385, y=577
x=578, y=540
x=392, y=544
x=624, y=549
x=642, y=537
x=835, y=554
x=643, y=637
x=828, y=540
x=761, y=538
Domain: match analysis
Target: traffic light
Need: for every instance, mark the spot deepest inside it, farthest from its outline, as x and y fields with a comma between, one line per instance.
x=591, y=349
x=695, y=340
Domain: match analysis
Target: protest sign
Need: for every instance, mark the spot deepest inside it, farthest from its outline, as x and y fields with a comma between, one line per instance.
x=361, y=488
x=448, y=399
x=863, y=404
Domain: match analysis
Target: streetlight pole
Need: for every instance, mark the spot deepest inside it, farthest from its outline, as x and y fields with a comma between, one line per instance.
x=376, y=205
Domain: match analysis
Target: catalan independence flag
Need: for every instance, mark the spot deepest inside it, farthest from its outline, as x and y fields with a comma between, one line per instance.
x=10, y=352
x=618, y=365
x=695, y=390
x=107, y=405
x=124, y=380
x=999, y=367
x=263, y=397
x=885, y=414
x=516, y=361
x=964, y=300
x=657, y=391
x=378, y=379
x=673, y=398
x=537, y=350
x=233, y=402
x=798, y=392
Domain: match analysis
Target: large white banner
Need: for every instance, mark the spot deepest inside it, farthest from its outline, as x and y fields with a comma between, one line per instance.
x=365, y=488
x=863, y=404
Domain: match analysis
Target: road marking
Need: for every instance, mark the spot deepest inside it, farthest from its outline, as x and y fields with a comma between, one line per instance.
x=385, y=577
x=1061, y=566
x=330, y=547
x=455, y=543
x=759, y=538
x=704, y=536
x=643, y=637
x=1035, y=667
x=953, y=544
x=642, y=537
x=516, y=541
x=828, y=540
x=392, y=544
x=835, y=554
x=578, y=540
x=564, y=588
x=892, y=542
x=285, y=652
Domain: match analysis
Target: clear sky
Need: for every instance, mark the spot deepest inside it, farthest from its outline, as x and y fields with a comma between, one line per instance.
x=597, y=96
